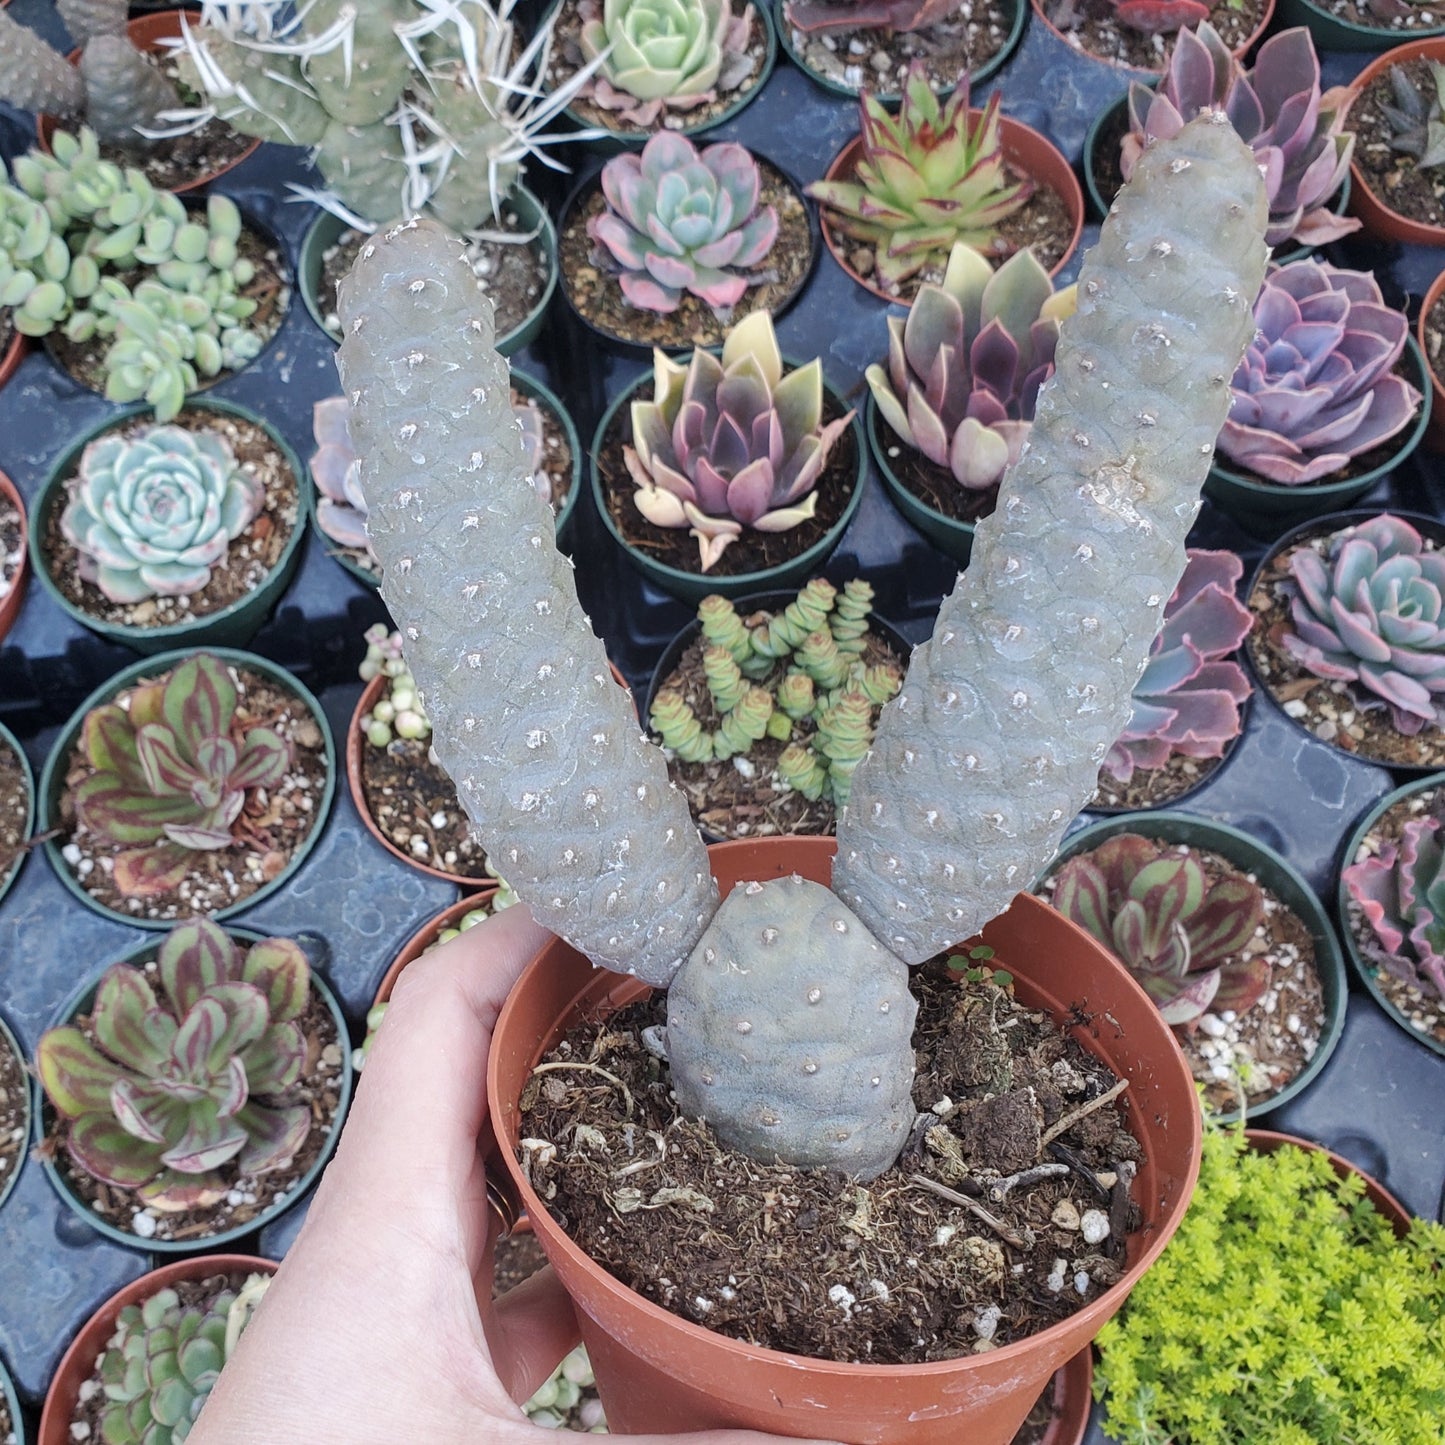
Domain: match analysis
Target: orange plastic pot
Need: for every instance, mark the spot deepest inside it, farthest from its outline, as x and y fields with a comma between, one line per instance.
x=1073, y=1397
x=1435, y=430
x=14, y=354
x=657, y=1372
x=78, y=1363
x=1026, y=151
x=1267, y=1141
x=1238, y=52
x=10, y=603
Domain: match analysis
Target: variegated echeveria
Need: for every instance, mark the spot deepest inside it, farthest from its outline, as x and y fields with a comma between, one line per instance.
x=166, y=1084
x=679, y=220
x=731, y=443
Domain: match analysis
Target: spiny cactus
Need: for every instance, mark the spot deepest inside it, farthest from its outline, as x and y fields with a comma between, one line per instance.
x=164, y=1087
x=789, y=1012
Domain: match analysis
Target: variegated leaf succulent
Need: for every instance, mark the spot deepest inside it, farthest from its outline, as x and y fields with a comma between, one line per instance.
x=679, y=220
x=1401, y=891
x=966, y=364
x=1181, y=937
x=1369, y=612
x=731, y=443
x=172, y=772
x=164, y=1085
x=1297, y=132
x=1187, y=701
x=1317, y=385
x=927, y=178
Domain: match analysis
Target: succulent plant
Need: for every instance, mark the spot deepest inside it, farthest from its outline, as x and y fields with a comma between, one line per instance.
x=1157, y=17
x=1296, y=132
x=1187, y=700
x=894, y=15
x=398, y=712
x=1401, y=891
x=155, y=509
x=1369, y=612
x=656, y=55
x=966, y=364
x=172, y=772
x=1181, y=937
x=1417, y=121
x=1317, y=385
x=928, y=178
x=683, y=220
x=162, y=1362
x=164, y=1085
x=731, y=443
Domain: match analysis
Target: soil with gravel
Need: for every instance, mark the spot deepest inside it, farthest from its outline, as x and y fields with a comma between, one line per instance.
x=14, y=810
x=14, y=1119
x=12, y=545
x=1092, y=27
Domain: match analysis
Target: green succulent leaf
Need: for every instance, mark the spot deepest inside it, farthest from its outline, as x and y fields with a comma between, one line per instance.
x=278, y=967
x=200, y=700
x=128, y=1024
x=76, y=1076
x=195, y=957
x=101, y=1147
x=151, y=872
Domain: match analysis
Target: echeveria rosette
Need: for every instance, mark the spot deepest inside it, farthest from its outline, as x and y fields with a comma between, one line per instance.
x=732, y=443
x=1179, y=935
x=966, y=364
x=680, y=220
x=165, y=1085
x=1296, y=132
x=154, y=511
x=1187, y=700
x=1370, y=613
x=1317, y=385
x=1401, y=892
x=171, y=773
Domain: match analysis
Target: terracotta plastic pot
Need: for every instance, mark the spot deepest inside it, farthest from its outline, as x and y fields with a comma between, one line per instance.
x=1073, y=1397
x=657, y=1372
x=1331, y=32
x=149, y=33
x=1267, y=1141
x=1042, y=18
x=1379, y=220
x=1027, y=152
x=13, y=355
x=1434, y=440
x=78, y=1363
x=10, y=603
x=6, y=879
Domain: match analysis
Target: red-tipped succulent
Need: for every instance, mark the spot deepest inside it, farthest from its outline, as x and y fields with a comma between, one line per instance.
x=172, y=772
x=164, y=1086
x=1181, y=937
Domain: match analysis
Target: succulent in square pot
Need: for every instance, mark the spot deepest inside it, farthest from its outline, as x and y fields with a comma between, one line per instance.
x=127, y=1349
x=1225, y=936
x=754, y=498
x=12, y=1422
x=195, y=1090
x=14, y=1115
x=17, y=807
x=952, y=405
x=1189, y=1359
x=190, y=783
x=14, y=558
x=1133, y=35
x=666, y=247
x=1348, y=640
x=765, y=709
x=1330, y=397
x=910, y=185
x=1391, y=905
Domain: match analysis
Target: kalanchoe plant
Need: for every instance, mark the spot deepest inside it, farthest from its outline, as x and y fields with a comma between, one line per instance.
x=1181, y=937
x=1187, y=700
x=683, y=220
x=398, y=711
x=1369, y=612
x=731, y=443
x=155, y=510
x=172, y=773
x=1296, y=132
x=1317, y=385
x=1401, y=892
x=163, y=1361
x=165, y=1086
x=966, y=364
x=927, y=178
x=1417, y=120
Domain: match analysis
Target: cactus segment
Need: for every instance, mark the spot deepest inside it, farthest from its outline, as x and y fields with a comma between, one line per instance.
x=33, y=76
x=996, y=739
x=123, y=90
x=570, y=800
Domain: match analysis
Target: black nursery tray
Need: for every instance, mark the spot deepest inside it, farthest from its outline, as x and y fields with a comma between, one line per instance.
x=354, y=905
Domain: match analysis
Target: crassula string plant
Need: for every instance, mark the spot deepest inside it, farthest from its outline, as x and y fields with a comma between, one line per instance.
x=978, y=764
x=398, y=712
x=180, y=1072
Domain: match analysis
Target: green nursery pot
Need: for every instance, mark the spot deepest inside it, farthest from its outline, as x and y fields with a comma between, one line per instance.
x=9, y=738
x=52, y=778
x=80, y=1002
x=1272, y=871
x=12, y=1402
x=1367, y=971
x=8, y=1040
x=1331, y=32
x=231, y=626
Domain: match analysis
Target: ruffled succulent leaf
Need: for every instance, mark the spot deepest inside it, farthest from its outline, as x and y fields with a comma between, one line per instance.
x=151, y=872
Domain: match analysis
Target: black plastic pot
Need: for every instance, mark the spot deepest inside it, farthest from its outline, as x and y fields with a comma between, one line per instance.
x=9, y=739
x=8, y=1181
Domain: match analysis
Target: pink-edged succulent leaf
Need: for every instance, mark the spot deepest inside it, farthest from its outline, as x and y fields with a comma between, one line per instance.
x=1224, y=922
x=200, y=1029
x=199, y=700
x=246, y=1020
x=1168, y=890
x=265, y=756
x=194, y=958
x=108, y=741
x=151, y=872
x=273, y=1136
x=166, y=771
x=110, y=807
x=144, y=1114
x=278, y=967
x=127, y=1021
x=1242, y=983
x=1182, y=1003
x=104, y=1150
x=172, y=1192
x=75, y=1075
x=209, y=1141
x=275, y=1061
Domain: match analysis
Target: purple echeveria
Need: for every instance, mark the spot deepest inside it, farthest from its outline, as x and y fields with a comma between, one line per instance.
x=1370, y=613
x=1317, y=385
x=683, y=220
x=1296, y=132
x=731, y=443
x=1402, y=895
x=1187, y=701
x=966, y=364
